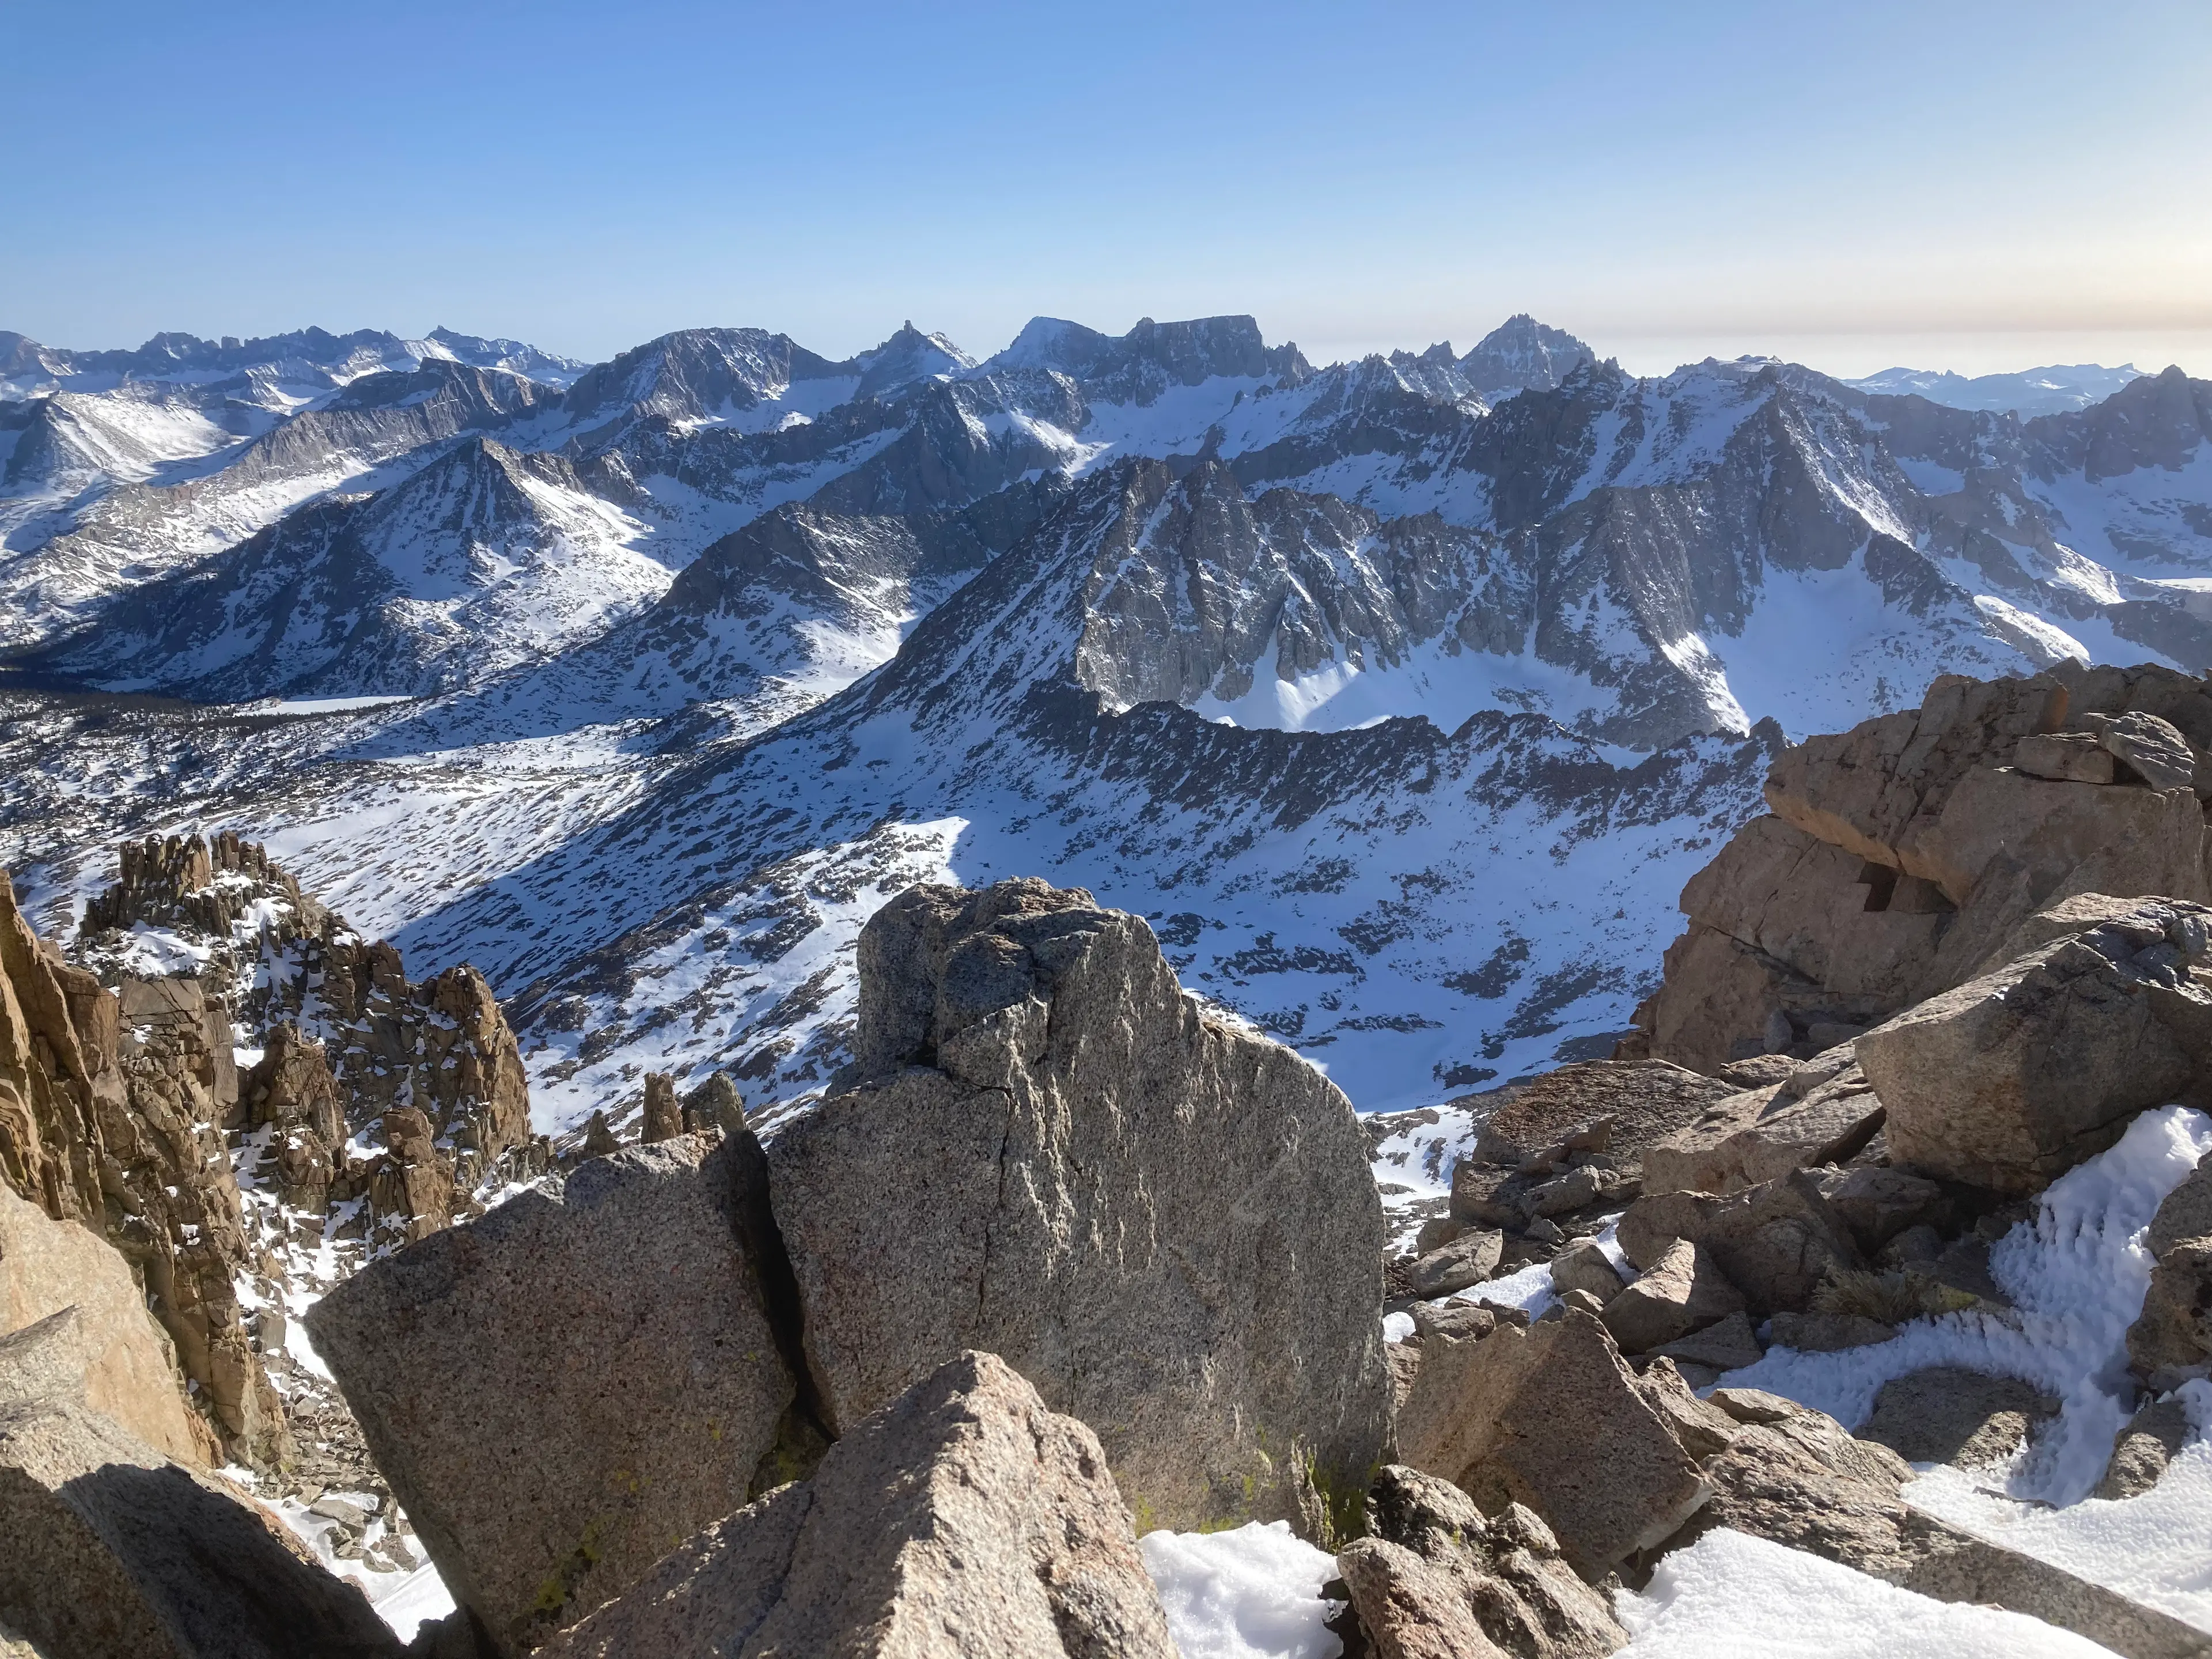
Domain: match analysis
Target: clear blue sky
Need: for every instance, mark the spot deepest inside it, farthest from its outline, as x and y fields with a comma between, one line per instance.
x=1971, y=185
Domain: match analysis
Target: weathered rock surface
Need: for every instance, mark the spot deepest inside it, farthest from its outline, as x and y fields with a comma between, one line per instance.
x=2142, y=1448
x=442, y=1047
x=1949, y=1415
x=2013, y=1078
x=664, y=1118
x=1569, y=1144
x=1550, y=1417
x=1585, y=1267
x=1638, y=1102
x=1683, y=1291
x=2150, y=749
x=1901, y=854
x=2172, y=1339
x=1775, y=1243
x=1168, y=1227
x=1726, y=1345
x=1436, y=1576
x=1879, y=1203
x=2064, y=757
x=1467, y=1259
x=1825, y=1114
x=559, y=1390
x=125, y=1370
x=113, y=1549
x=110, y=1116
x=965, y=1518
x=1828, y=1333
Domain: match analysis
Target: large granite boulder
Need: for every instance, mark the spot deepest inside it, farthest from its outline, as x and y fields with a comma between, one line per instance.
x=107, y=1548
x=1824, y=1113
x=1638, y=1102
x=963, y=1518
x=1947, y=1414
x=559, y=1392
x=1681, y=1291
x=1045, y=1149
x=53, y=1269
x=1550, y=1417
x=2013, y=1078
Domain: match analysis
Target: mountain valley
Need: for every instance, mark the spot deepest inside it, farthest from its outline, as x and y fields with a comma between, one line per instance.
x=1401, y=694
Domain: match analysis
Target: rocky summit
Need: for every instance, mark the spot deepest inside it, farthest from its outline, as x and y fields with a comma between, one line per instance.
x=1062, y=1002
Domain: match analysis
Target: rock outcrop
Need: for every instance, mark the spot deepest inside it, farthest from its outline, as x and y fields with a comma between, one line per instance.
x=1168, y=1226
x=59, y=1270
x=1900, y=855
x=1946, y=1414
x=1569, y=1145
x=280, y=962
x=1549, y=1417
x=1436, y=1579
x=111, y=1109
x=559, y=1391
x=2015, y=1077
x=1824, y=1112
x=963, y=1517
x=1683, y=1291
x=1775, y=1243
x=122, y=1104
x=112, y=1548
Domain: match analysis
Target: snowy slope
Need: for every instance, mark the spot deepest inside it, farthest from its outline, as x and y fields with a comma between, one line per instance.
x=1403, y=706
x=1346, y=890
x=118, y=534
x=2030, y=391
x=485, y=559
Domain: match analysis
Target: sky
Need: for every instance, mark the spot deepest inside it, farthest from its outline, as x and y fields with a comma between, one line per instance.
x=1958, y=185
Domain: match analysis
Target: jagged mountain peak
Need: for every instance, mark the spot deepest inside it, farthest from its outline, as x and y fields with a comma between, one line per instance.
x=1521, y=355
x=908, y=356
x=1138, y=366
x=730, y=375
x=515, y=357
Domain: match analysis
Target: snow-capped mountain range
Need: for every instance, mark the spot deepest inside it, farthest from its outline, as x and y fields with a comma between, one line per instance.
x=1402, y=694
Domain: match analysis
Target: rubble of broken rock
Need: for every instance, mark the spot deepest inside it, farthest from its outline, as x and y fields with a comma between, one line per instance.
x=1074, y=1320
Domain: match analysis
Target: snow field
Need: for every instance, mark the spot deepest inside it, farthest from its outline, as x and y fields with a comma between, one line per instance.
x=1733, y=1596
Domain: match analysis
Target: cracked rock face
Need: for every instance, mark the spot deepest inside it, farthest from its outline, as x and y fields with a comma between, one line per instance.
x=963, y=1518
x=1051, y=1153
x=1917, y=851
x=559, y=1392
x=2013, y=1078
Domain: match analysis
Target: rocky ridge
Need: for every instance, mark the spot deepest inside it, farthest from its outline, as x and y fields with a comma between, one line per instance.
x=1072, y=1338
x=243, y=1097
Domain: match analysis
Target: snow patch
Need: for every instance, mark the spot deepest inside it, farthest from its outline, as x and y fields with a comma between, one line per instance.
x=2077, y=1272
x=1733, y=1596
x=1253, y=1593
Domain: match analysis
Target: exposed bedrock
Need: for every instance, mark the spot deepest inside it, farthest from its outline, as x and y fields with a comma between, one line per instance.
x=1901, y=855
x=963, y=1518
x=1167, y=1225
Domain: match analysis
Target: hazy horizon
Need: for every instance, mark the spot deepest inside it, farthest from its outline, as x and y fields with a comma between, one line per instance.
x=1980, y=187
